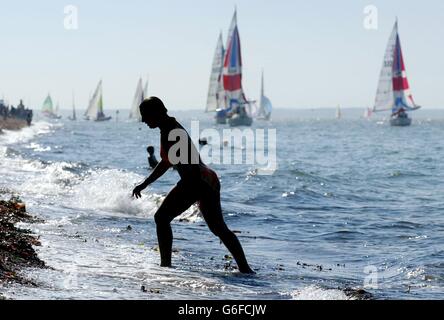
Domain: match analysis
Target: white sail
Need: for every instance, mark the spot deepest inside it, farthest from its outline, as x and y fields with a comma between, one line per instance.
x=47, y=105
x=138, y=98
x=338, y=112
x=95, y=103
x=384, y=94
x=145, y=90
x=215, y=90
x=265, y=106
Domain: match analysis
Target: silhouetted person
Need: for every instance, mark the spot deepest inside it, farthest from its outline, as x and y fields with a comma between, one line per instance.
x=198, y=183
x=152, y=161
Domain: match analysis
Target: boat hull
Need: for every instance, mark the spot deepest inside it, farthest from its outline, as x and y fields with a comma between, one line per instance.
x=265, y=118
x=52, y=116
x=400, y=122
x=221, y=116
x=220, y=120
x=237, y=121
x=103, y=119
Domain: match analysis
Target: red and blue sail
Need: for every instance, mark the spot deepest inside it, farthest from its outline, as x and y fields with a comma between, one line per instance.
x=232, y=71
x=403, y=98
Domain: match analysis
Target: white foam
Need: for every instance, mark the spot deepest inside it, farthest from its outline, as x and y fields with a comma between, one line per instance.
x=47, y=180
x=317, y=293
x=38, y=128
x=110, y=190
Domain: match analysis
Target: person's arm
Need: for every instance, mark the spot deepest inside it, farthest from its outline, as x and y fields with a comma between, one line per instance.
x=159, y=171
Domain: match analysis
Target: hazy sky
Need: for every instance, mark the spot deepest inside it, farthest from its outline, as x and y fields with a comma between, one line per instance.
x=315, y=53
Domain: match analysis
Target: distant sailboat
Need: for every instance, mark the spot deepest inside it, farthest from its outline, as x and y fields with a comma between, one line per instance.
x=73, y=117
x=265, y=106
x=368, y=113
x=48, y=108
x=95, y=107
x=393, y=89
x=140, y=94
x=338, y=112
x=57, y=109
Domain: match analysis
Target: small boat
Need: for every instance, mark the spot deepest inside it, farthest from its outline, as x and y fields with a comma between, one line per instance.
x=14, y=118
x=140, y=95
x=48, y=109
x=368, y=113
x=401, y=120
x=393, y=89
x=73, y=117
x=95, y=107
x=338, y=112
x=265, y=106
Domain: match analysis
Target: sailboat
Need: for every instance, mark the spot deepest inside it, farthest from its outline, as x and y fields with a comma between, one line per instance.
x=215, y=98
x=73, y=117
x=57, y=108
x=393, y=89
x=95, y=107
x=139, y=96
x=338, y=112
x=368, y=113
x=48, y=109
x=265, y=106
x=225, y=94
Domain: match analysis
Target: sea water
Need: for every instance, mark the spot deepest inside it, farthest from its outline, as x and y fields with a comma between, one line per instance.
x=353, y=204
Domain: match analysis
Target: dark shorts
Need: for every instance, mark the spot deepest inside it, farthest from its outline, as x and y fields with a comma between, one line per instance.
x=185, y=194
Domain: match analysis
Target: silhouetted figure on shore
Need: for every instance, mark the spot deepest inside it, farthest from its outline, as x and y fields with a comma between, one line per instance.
x=198, y=183
x=152, y=161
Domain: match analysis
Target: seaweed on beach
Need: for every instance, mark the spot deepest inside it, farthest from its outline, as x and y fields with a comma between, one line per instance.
x=16, y=245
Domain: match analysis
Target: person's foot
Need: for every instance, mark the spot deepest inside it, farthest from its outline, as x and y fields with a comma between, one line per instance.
x=165, y=264
x=247, y=270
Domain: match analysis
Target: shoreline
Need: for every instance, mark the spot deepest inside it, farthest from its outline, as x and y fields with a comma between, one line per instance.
x=16, y=245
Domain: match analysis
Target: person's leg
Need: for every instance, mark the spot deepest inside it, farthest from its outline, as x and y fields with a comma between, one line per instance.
x=212, y=212
x=176, y=202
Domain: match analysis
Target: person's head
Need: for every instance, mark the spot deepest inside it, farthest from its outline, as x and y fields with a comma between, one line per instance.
x=150, y=150
x=153, y=111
